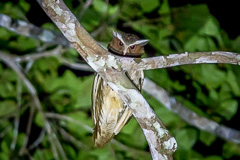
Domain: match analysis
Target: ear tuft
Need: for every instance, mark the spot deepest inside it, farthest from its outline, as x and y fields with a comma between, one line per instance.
x=142, y=42
x=114, y=33
x=118, y=35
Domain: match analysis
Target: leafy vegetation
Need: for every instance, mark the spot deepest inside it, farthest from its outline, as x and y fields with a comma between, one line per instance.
x=211, y=91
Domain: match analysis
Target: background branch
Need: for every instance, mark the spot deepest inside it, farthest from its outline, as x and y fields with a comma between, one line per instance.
x=30, y=30
x=189, y=116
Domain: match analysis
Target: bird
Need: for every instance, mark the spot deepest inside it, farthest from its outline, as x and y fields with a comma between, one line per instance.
x=109, y=112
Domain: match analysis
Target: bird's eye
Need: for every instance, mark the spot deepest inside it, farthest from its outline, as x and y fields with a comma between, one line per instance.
x=120, y=43
x=132, y=47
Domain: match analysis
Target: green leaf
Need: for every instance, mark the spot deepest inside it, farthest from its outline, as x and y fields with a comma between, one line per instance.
x=83, y=95
x=61, y=100
x=210, y=76
x=102, y=154
x=207, y=138
x=230, y=149
x=235, y=44
x=190, y=15
x=4, y=34
x=70, y=87
x=71, y=152
x=45, y=154
x=5, y=147
x=149, y=5
x=213, y=158
x=23, y=44
x=11, y=10
x=164, y=9
x=137, y=139
x=186, y=138
x=228, y=108
x=4, y=156
x=24, y=5
x=146, y=5
x=211, y=28
x=7, y=107
x=77, y=128
x=100, y=6
x=130, y=127
x=49, y=26
x=232, y=80
x=7, y=90
x=39, y=120
x=200, y=43
x=91, y=19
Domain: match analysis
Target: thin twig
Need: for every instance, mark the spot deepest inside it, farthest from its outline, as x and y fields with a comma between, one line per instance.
x=77, y=66
x=54, y=138
x=85, y=7
x=38, y=140
x=67, y=118
x=127, y=148
x=33, y=56
x=51, y=136
x=17, y=116
x=23, y=149
x=5, y=131
x=72, y=139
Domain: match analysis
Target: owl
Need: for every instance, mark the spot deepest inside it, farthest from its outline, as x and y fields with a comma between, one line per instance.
x=109, y=112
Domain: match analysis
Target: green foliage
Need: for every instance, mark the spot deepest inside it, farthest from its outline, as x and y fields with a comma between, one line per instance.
x=7, y=107
x=209, y=90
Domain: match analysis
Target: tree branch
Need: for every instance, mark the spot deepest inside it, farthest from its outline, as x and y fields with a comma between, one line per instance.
x=157, y=92
x=30, y=30
x=126, y=63
x=178, y=59
x=161, y=144
x=189, y=116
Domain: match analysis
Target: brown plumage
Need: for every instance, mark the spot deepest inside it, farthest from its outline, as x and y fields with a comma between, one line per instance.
x=109, y=112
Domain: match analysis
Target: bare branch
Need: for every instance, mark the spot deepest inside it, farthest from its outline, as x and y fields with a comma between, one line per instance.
x=30, y=30
x=85, y=7
x=33, y=56
x=17, y=116
x=178, y=59
x=161, y=144
x=77, y=66
x=67, y=136
x=67, y=118
x=126, y=63
x=189, y=116
x=38, y=140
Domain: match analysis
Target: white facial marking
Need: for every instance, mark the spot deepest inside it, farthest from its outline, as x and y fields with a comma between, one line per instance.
x=141, y=42
x=119, y=36
x=125, y=50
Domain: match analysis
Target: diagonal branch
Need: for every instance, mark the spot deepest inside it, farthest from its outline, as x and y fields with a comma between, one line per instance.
x=189, y=116
x=161, y=144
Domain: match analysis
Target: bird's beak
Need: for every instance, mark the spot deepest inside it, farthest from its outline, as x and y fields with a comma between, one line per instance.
x=125, y=51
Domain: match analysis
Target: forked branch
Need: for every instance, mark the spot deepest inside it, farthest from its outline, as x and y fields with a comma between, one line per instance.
x=161, y=144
